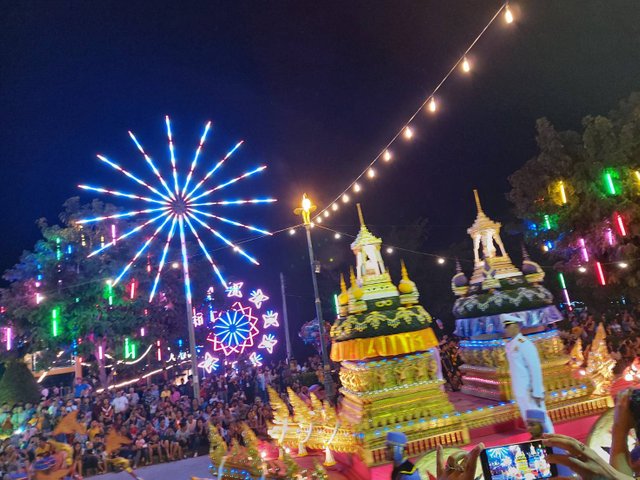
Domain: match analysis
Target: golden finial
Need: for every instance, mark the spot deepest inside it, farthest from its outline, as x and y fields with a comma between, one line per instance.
x=360, y=216
x=352, y=277
x=403, y=269
x=355, y=290
x=406, y=285
x=343, y=298
x=477, y=197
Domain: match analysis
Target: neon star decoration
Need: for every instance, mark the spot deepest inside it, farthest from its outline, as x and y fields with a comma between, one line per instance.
x=235, y=289
x=255, y=359
x=173, y=208
x=238, y=330
x=258, y=298
x=234, y=330
x=268, y=342
x=270, y=319
x=210, y=363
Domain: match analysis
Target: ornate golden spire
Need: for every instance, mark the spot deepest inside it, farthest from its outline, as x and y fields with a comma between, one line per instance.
x=406, y=285
x=360, y=216
x=478, y=206
x=355, y=289
x=403, y=270
x=486, y=237
x=352, y=277
x=364, y=237
x=343, y=298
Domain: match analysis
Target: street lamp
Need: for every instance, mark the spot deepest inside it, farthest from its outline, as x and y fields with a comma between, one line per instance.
x=305, y=210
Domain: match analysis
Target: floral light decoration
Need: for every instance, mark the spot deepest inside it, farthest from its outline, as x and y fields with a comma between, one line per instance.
x=248, y=327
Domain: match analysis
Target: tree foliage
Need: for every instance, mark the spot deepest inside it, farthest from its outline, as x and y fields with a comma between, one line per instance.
x=76, y=285
x=598, y=169
x=18, y=384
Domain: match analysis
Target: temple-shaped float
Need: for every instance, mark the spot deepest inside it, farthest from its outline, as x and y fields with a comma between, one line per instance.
x=496, y=288
x=390, y=367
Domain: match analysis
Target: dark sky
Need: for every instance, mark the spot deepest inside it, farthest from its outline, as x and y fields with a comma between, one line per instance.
x=315, y=88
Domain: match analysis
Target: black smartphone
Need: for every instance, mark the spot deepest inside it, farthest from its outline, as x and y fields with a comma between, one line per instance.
x=518, y=461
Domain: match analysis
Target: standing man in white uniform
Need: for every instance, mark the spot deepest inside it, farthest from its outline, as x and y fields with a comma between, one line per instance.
x=527, y=386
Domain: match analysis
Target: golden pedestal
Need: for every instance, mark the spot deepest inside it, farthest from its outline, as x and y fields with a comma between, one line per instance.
x=398, y=393
x=486, y=370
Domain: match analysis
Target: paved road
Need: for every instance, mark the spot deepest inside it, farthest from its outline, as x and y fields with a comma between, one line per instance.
x=182, y=470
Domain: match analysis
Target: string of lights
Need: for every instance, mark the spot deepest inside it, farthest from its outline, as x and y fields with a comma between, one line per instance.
x=407, y=131
x=443, y=259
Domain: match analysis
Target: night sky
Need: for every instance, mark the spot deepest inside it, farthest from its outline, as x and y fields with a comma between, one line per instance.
x=316, y=89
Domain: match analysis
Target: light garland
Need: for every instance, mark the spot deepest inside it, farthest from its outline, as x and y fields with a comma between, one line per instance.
x=407, y=131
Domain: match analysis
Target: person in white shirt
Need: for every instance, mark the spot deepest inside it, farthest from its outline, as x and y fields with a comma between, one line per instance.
x=120, y=403
x=133, y=397
x=527, y=386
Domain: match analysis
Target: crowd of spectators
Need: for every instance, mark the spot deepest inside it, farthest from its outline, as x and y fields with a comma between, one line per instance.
x=622, y=328
x=622, y=332
x=163, y=420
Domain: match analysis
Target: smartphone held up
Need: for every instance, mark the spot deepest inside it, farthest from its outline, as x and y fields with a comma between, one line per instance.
x=519, y=461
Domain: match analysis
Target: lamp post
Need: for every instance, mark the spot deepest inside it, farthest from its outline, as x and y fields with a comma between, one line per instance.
x=305, y=211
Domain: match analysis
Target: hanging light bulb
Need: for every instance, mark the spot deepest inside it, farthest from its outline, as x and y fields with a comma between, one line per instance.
x=292, y=231
x=337, y=236
x=466, y=66
x=582, y=269
x=345, y=198
x=334, y=207
x=508, y=15
x=386, y=155
x=356, y=187
x=389, y=250
x=432, y=105
x=326, y=213
x=371, y=173
x=408, y=132
x=318, y=219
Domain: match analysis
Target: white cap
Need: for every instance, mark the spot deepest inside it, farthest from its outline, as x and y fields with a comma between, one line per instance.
x=509, y=318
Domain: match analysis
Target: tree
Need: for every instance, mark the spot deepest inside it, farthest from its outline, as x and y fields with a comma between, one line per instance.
x=17, y=384
x=62, y=299
x=578, y=198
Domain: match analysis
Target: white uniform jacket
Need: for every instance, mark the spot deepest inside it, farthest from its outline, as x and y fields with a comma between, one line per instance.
x=526, y=371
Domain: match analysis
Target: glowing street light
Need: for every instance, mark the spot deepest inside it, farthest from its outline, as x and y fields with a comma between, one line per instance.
x=305, y=211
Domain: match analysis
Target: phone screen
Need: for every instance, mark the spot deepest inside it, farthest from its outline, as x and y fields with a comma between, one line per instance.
x=519, y=461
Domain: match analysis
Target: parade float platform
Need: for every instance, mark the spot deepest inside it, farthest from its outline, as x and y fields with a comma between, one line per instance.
x=390, y=368
x=349, y=467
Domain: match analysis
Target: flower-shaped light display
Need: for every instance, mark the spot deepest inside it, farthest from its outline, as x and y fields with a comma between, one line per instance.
x=233, y=330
